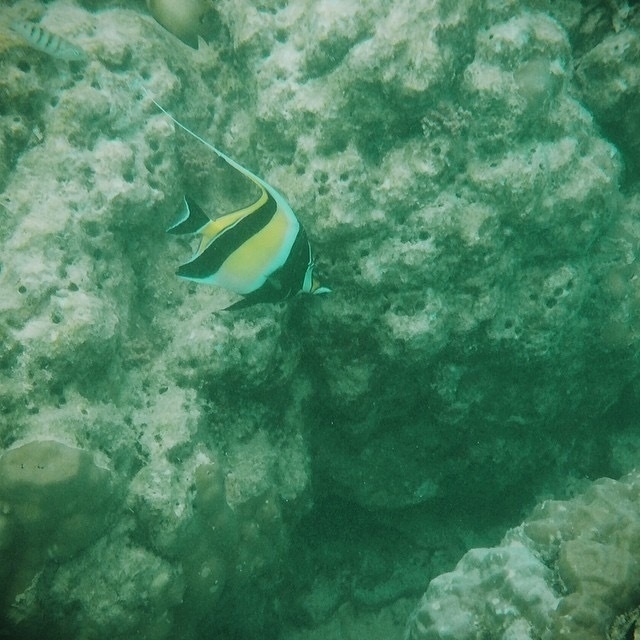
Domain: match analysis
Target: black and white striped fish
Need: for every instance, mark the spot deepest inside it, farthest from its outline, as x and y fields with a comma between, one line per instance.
x=47, y=42
x=260, y=251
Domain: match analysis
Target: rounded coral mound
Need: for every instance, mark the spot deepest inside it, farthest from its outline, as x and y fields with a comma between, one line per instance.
x=569, y=571
x=55, y=501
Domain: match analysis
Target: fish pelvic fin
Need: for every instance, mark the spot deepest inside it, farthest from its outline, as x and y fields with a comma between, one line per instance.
x=243, y=303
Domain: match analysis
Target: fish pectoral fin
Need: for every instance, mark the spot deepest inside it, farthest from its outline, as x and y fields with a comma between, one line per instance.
x=191, y=218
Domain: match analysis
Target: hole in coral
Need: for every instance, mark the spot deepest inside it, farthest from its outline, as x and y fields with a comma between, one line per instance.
x=92, y=228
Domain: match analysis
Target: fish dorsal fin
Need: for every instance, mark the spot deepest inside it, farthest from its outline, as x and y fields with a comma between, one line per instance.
x=252, y=176
x=264, y=186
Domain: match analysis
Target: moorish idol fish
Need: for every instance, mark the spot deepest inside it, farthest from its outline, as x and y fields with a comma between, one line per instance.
x=47, y=42
x=259, y=251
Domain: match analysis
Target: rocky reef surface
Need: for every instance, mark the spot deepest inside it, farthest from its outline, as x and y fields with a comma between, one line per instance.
x=467, y=173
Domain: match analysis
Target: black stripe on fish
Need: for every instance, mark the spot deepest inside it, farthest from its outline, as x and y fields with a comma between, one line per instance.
x=47, y=42
x=192, y=218
x=227, y=241
x=286, y=281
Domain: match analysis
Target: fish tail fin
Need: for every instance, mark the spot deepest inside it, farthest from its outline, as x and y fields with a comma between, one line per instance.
x=191, y=219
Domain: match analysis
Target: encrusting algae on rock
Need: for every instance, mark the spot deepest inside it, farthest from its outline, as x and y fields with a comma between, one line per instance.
x=302, y=471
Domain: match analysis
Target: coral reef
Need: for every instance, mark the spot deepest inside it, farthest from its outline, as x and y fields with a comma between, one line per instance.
x=461, y=184
x=566, y=572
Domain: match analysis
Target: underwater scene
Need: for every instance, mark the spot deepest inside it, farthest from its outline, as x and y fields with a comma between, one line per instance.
x=319, y=319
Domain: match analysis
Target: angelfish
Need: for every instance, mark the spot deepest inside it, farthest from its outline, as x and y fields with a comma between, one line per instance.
x=260, y=251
